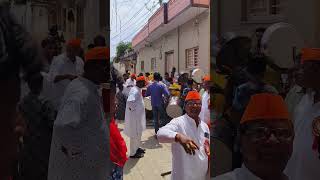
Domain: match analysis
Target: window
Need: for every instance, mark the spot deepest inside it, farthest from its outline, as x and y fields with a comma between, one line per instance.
x=153, y=65
x=253, y=9
x=192, y=58
x=142, y=66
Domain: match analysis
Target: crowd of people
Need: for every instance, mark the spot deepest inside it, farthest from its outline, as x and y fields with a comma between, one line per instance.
x=275, y=135
x=188, y=131
x=60, y=108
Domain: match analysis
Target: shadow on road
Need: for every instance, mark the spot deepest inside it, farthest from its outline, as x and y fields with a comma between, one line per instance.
x=129, y=165
x=151, y=143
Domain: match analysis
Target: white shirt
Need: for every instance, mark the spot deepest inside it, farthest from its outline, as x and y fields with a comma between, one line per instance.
x=127, y=89
x=80, y=127
x=61, y=65
x=238, y=174
x=293, y=98
x=205, y=112
x=185, y=166
x=304, y=162
x=130, y=82
x=135, y=117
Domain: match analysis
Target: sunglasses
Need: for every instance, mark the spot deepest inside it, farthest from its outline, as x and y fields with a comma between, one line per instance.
x=262, y=134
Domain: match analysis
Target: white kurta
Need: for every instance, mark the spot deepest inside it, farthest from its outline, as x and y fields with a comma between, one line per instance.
x=80, y=127
x=304, y=162
x=135, y=117
x=205, y=111
x=238, y=174
x=61, y=65
x=127, y=89
x=293, y=98
x=185, y=166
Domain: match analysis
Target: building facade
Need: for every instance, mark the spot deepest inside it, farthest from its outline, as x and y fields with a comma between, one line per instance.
x=244, y=16
x=177, y=35
x=75, y=18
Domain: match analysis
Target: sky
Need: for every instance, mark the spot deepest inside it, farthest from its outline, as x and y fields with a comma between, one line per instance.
x=127, y=17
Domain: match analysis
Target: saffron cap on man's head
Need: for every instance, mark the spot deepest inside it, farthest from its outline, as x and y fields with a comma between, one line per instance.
x=75, y=43
x=310, y=54
x=193, y=95
x=98, y=53
x=265, y=106
x=206, y=78
x=133, y=75
x=140, y=78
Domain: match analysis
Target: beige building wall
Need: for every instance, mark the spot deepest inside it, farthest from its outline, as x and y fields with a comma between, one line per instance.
x=189, y=35
x=304, y=15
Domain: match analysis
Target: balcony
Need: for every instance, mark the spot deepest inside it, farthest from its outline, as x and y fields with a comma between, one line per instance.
x=168, y=17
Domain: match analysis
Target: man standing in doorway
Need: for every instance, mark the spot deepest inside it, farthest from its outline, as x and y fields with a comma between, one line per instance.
x=135, y=118
x=65, y=68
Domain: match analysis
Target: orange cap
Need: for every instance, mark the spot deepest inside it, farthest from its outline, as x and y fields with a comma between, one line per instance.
x=206, y=78
x=310, y=54
x=141, y=78
x=133, y=75
x=193, y=95
x=265, y=106
x=76, y=43
x=97, y=53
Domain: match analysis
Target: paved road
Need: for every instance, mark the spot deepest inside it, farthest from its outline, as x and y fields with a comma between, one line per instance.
x=157, y=159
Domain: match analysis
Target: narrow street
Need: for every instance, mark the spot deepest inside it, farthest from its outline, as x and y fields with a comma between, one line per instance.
x=156, y=161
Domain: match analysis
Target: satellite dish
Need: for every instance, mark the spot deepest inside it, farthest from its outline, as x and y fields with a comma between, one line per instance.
x=280, y=42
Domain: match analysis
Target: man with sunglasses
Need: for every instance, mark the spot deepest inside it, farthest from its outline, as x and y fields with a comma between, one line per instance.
x=80, y=148
x=190, y=142
x=266, y=134
x=305, y=162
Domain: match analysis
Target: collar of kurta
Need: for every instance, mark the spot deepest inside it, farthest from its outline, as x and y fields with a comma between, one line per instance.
x=245, y=173
x=191, y=121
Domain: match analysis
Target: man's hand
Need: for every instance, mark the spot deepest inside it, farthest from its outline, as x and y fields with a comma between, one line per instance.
x=188, y=144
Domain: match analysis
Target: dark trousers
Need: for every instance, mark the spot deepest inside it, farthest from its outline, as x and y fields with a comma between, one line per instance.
x=159, y=117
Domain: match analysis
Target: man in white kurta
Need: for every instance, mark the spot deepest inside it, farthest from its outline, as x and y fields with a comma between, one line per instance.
x=305, y=162
x=80, y=148
x=205, y=112
x=131, y=82
x=63, y=70
x=189, y=138
x=135, y=118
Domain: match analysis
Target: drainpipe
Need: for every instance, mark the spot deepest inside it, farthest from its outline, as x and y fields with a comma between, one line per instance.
x=178, y=49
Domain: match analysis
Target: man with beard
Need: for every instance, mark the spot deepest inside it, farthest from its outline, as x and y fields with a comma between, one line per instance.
x=266, y=134
x=190, y=142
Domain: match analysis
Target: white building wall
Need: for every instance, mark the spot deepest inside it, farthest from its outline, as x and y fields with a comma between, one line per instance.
x=190, y=36
x=304, y=15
